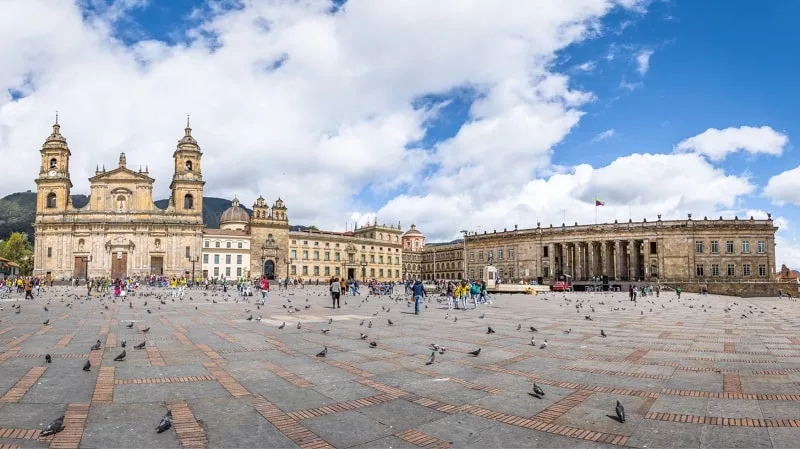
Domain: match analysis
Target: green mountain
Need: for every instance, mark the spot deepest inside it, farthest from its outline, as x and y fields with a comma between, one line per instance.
x=18, y=211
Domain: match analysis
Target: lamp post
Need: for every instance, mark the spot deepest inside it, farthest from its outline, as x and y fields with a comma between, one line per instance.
x=465, y=232
x=363, y=271
x=193, y=260
x=289, y=261
x=87, y=259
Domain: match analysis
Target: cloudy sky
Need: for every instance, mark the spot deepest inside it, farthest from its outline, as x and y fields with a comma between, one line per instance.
x=453, y=114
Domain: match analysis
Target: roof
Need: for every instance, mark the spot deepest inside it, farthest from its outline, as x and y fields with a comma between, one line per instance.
x=234, y=214
x=413, y=231
x=226, y=232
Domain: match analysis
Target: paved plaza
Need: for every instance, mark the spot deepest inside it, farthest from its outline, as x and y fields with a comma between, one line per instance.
x=696, y=372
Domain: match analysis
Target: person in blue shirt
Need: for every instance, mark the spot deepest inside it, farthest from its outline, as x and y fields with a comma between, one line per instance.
x=419, y=292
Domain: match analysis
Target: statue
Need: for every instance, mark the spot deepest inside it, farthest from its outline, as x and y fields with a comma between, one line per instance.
x=491, y=259
x=158, y=243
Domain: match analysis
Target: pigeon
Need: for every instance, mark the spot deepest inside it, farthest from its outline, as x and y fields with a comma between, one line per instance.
x=533, y=340
x=129, y=325
x=490, y=330
x=299, y=325
x=120, y=357
x=282, y=325
x=325, y=331
x=87, y=366
x=46, y=309
x=603, y=333
x=620, y=412
x=362, y=323
x=475, y=352
x=46, y=322
x=519, y=326
x=369, y=325
x=96, y=346
x=250, y=318
x=431, y=358
x=323, y=353
x=533, y=329
x=363, y=336
x=330, y=321
x=568, y=331
x=148, y=311
x=124, y=343
x=48, y=358
x=373, y=344
x=54, y=427
x=166, y=422
x=144, y=331
x=482, y=316
x=544, y=345
x=140, y=345
x=455, y=319
x=390, y=322
x=538, y=390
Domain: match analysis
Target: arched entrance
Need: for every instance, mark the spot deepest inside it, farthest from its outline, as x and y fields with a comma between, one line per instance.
x=269, y=269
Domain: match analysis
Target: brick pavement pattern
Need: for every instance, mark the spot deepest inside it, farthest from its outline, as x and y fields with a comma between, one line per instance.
x=689, y=373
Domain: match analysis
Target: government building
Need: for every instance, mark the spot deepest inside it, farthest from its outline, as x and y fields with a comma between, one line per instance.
x=120, y=232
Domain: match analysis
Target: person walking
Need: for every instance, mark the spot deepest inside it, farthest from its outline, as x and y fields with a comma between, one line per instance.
x=336, y=292
x=264, y=290
x=418, y=291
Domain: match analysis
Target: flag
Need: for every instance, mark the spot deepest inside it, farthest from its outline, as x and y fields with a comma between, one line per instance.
x=597, y=202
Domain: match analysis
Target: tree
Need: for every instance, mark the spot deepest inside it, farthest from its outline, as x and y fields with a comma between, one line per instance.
x=18, y=249
x=313, y=228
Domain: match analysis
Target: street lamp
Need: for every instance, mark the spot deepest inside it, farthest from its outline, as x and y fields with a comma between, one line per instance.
x=193, y=260
x=465, y=232
x=87, y=259
x=289, y=261
x=363, y=271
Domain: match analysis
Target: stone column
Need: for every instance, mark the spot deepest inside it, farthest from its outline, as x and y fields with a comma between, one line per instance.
x=576, y=248
x=646, y=258
x=551, y=258
x=604, y=258
x=592, y=253
x=619, y=260
x=633, y=269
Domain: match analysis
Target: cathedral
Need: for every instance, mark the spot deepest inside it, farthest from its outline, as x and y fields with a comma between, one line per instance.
x=120, y=232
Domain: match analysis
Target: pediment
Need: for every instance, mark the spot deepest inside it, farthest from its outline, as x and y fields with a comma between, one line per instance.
x=121, y=174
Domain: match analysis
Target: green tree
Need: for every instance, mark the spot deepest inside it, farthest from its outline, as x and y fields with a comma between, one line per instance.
x=313, y=228
x=18, y=249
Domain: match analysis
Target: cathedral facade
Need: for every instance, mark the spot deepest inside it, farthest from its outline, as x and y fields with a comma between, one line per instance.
x=120, y=232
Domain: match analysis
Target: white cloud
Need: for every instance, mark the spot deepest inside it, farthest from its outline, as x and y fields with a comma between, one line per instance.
x=336, y=118
x=587, y=66
x=643, y=61
x=718, y=143
x=607, y=134
x=784, y=188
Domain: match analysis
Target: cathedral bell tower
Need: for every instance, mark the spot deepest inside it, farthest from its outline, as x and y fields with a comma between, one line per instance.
x=187, y=181
x=53, y=183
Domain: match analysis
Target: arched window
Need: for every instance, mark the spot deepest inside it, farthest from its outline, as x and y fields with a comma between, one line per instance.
x=51, y=200
x=189, y=165
x=53, y=163
x=120, y=203
x=188, y=201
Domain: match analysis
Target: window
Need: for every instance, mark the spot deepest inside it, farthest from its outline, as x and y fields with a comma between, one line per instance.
x=372, y=258
x=305, y=270
x=238, y=259
x=762, y=247
x=189, y=166
x=337, y=271
x=472, y=274
x=510, y=253
x=499, y=254
x=216, y=244
x=714, y=269
x=227, y=271
x=227, y=259
x=653, y=247
x=397, y=260
x=698, y=247
x=746, y=269
x=729, y=246
x=294, y=254
x=207, y=244
x=327, y=255
x=745, y=247
x=327, y=244
x=49, y=252
x=188, y=252
x=294, y=242
x=239, y=245
x=714, y=247
x=327, y=271
x=699, y=271
x=545, y=253
x=480, y=254
x=305, y=255
x=305, y=242
x=546, y=270
x=316, y=255
x=336, y=257
x=216, y=271
x=205, y=258
x=316, y=270
x=510, y=272
x=397, y=273
x=51, y=200
x=380, y=272
x=372, y=272
x=363, y=257
x=188, y=201
x=380, y=259
x=53, y=163
x=239, y=272
x=293, y=269
x=731, y=270
x=762, y=270
x=216, y=259
x=227, y=244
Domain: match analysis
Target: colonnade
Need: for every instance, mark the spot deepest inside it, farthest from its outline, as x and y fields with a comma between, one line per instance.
x=620, y=260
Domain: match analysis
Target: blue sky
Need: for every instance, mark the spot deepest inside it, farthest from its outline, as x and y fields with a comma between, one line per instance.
x=518, y=111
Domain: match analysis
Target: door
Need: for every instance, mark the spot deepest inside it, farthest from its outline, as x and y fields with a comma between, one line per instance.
x=157, y=265
x=79, y=270
x=351, y=273
x=269, y=269
x=119, y=265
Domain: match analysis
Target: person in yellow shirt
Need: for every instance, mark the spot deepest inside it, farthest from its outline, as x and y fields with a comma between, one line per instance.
x=173, y=284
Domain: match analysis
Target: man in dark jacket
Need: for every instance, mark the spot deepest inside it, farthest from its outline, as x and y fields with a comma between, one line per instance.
x=418, y=290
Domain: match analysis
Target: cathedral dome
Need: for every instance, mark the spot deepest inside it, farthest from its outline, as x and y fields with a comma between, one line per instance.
x=234, y=214
x=413, y=232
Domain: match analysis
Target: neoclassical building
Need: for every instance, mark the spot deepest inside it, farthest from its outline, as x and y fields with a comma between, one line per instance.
x=668, y=250
x=120, y=232
x=413, y=247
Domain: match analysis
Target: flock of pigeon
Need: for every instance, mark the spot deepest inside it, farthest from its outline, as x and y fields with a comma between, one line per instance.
x=583, y=305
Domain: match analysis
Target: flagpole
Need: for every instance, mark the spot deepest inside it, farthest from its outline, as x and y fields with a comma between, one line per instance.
x=595, y=212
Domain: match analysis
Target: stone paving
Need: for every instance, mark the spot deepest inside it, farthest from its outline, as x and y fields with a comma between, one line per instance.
x=696, y=372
